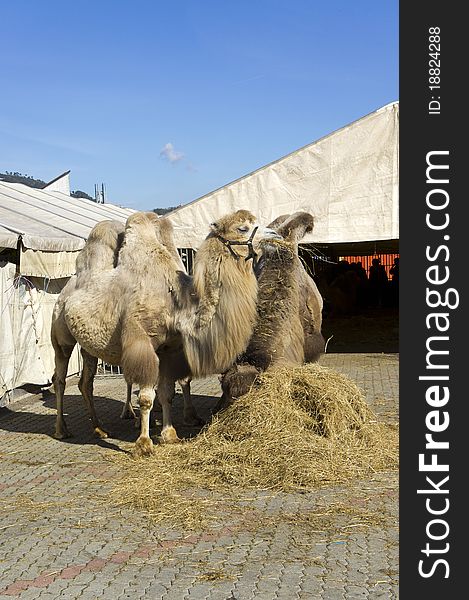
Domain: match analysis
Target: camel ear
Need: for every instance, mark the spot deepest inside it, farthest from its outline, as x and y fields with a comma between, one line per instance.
x=277, y=222
x=214, y=226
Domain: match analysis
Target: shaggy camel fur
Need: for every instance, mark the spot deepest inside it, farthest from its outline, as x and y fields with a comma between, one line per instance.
x=160, y=325
x=292, y=229
x=289, y=307
x=98, y=256
x=101, y=254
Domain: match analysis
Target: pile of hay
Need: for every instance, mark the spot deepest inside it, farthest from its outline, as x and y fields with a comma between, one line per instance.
x=296, y=429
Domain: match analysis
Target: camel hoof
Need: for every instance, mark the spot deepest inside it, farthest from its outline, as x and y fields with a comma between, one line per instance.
x=63, y=434
x=143, y=447
x=98, y=432
x=169, y=436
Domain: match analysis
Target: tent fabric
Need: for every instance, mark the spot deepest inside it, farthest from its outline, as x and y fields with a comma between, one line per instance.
x=48, y=228
x=26, y=354
x=53, y=265
x=8, y=237
x=348, y=180
x=49, y=220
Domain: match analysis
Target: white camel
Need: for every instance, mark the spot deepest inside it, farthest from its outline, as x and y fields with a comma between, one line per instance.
x=159, y=324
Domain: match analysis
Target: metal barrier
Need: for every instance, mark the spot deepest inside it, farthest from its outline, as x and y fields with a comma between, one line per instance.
x=106, y=370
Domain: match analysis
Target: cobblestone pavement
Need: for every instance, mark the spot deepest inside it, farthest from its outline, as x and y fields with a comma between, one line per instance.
x=57, y=540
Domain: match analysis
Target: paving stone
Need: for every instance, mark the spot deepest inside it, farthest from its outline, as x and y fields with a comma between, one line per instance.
x=59, y=542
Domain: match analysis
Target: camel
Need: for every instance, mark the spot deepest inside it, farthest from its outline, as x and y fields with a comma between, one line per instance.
x=292, y=229
x=289, y=310
x=99, y=255
x=190, y=415
x=160, y=325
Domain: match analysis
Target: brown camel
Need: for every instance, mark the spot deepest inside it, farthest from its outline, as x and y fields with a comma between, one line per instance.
x=289, y=307
x=160, y=325
x=293, y=228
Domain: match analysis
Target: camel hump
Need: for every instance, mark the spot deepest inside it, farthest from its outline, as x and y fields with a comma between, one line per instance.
x=166, y=238
x=293, y=227
x=149, y=247
x=142, y=218
x=160, y=227
x=148, y=227
x=102, y=247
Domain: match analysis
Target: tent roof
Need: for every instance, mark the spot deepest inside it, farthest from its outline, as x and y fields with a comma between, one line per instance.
x=348, y=180
x=49, y=220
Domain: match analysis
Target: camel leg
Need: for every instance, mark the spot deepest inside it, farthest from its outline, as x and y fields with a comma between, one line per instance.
x=85, y=385
x=223, y=402
x=144, y=445
x=62, y=357
x=190, y=414
x=165, y=396
x=128, y=410
x=155, y=419
x=140, y=365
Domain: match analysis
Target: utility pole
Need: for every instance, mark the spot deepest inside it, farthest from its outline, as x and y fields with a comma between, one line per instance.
x=99, y=194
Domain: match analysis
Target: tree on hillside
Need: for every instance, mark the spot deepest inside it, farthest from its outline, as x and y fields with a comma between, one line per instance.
x=163, y=211
x=15, y=177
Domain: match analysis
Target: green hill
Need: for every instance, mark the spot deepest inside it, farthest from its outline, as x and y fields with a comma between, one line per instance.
x=16, y=177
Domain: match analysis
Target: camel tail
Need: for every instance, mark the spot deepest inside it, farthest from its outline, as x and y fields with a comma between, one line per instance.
x=139, y=362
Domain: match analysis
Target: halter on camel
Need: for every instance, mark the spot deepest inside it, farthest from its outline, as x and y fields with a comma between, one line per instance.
x=228, y=243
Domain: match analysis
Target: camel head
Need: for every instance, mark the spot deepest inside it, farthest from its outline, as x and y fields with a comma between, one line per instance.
x=240, y=233
x=282, y=250
x=237, y=381
x=234, y=225
x=236, y=231
x=293, y=227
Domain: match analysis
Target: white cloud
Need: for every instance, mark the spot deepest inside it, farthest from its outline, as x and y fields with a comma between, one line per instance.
x=170, y=154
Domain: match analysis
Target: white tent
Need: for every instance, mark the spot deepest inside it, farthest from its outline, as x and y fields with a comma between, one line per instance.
x=41, y=233
x=348, y=180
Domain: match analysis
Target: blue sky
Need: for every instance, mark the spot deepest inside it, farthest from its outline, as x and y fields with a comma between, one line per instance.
x=164, y=102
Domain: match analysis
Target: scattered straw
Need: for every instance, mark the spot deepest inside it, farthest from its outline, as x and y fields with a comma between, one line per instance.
x=296, y=429
x=216, y=575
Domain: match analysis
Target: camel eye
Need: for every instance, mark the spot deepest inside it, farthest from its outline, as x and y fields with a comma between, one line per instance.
x=243, y=229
